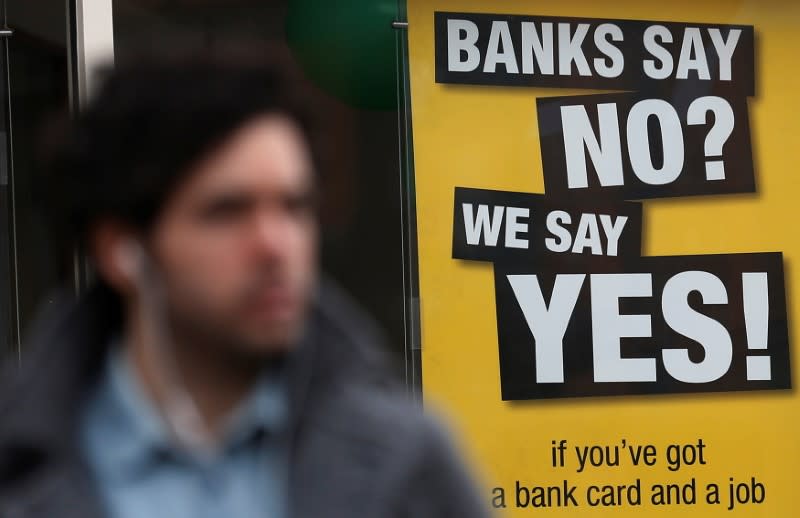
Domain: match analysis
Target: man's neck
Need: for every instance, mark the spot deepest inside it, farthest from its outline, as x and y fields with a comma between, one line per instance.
x=214, y=382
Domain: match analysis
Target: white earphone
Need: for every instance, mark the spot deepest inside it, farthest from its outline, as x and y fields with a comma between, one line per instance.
x=179, y=409
x=129, y=258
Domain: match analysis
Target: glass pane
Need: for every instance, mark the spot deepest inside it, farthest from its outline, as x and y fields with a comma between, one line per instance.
x=38, y=83
x=7, y=284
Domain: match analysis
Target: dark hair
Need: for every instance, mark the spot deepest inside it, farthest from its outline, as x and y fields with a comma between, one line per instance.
x=151, y=120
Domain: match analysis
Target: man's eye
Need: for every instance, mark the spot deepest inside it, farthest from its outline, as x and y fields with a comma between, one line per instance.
x=223, y=209
x=300, y=204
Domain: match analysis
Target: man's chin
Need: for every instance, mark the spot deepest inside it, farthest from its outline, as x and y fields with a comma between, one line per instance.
x=277, y=338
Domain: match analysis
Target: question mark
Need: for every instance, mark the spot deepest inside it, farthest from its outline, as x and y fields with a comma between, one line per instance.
x=719, y=132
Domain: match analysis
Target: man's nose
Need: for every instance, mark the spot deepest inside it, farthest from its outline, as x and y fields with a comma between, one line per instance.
x=271, y=232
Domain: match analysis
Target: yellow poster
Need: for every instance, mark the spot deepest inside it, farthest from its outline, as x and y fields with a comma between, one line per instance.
x=606, y=199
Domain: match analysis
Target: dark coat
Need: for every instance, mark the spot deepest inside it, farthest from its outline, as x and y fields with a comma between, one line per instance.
x=357, y=447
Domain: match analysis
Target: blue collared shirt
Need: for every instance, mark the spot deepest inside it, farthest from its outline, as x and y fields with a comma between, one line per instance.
x=142, y=473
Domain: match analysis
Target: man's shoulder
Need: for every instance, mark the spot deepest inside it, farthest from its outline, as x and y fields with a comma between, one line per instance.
x=362, y=399
x=383, y=417
x=388, y=455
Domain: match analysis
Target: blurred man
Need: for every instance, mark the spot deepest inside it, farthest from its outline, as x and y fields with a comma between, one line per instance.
x=208, y=372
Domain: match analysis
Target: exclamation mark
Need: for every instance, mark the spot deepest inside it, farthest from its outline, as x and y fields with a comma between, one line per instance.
x=755, y=292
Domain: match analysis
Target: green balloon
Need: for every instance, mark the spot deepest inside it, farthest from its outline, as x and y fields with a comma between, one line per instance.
x=347, y=48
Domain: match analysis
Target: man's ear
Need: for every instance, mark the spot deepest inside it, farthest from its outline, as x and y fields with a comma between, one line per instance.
x=117, y=254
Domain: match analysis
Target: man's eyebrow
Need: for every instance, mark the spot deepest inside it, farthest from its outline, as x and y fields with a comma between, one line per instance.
x=229, y=199
x=227, y=194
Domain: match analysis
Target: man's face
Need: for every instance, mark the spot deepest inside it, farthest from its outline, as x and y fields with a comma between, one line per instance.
x=236, y=243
